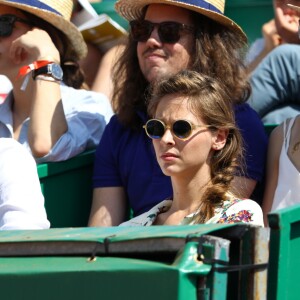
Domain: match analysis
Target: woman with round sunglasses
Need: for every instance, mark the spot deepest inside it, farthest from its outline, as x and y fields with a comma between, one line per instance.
x=198, y=145
x=48, y=110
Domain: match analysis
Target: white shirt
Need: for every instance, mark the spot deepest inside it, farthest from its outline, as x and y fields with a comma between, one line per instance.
x=5, y=87
x=87, y=114
x=287, y=192
x=255, y=49
x=230, y=211
x=21, y=198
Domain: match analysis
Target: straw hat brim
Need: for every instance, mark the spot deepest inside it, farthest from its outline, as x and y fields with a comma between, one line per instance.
x=73, y=35
x=297, y=8
x=132, y=10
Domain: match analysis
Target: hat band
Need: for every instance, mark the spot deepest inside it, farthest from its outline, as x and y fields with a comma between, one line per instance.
x=37, y=4
x=202, y=4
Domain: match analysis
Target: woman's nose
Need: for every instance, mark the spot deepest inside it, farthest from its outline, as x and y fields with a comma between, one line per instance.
x=168, y=137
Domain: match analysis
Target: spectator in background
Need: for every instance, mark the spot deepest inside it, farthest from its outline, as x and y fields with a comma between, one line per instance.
x=282, y=29
x=283, y=163
x=275, y=81
x=47, y=110
x=103, y=80
x=167, y=37
x=98, y=63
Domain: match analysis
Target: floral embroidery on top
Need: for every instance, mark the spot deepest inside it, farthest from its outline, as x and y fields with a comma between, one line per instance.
x=241, y=216
x=152, y=217
x=244, y=215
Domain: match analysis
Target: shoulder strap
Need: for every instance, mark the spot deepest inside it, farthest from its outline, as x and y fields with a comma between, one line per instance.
x=287, y=132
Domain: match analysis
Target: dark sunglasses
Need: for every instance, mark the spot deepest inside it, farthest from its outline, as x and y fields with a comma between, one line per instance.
x=7, y=23
x=182, y=129
x=168, y=32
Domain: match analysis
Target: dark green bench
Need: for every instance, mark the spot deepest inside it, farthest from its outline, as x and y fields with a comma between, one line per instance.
x=67, y=188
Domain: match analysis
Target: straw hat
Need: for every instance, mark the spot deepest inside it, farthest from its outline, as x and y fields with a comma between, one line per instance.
x=213, y=9
x=297, y=8
x=56, y=12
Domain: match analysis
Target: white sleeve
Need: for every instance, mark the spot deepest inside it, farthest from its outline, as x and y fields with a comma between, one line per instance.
x=87, y=114
x=21, y=198
x=245, y=211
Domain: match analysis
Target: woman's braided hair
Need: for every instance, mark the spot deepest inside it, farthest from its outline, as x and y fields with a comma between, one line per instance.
x=208, y=99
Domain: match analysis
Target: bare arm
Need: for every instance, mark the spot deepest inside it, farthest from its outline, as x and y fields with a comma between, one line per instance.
x=271, y=40
x=243, y=187
x=109, y=207
x=275, y=144
x=47, y=119
x=103, y=80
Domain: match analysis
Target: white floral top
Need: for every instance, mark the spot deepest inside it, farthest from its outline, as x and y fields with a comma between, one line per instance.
x=231, y=211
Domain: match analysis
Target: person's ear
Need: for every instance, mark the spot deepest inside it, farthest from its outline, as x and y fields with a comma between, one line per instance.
x=220, y=138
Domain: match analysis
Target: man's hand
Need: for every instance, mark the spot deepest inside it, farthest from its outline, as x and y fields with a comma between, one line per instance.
x=287, y=26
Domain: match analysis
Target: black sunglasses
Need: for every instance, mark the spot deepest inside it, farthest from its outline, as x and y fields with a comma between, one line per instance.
x=7, y=24
x=182, y=129
x=168, y=32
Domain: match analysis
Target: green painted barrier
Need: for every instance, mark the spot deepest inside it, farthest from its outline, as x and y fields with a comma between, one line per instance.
x=67, y=188
x=160, y=262
x=284, y=261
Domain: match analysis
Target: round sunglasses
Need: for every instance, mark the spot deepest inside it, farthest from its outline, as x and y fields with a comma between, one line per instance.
x=182, y=129
x=7, y=23
x=168, y=32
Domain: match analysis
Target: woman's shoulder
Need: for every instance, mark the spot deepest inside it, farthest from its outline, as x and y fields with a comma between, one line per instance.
x=241, y=210
x=149, y=217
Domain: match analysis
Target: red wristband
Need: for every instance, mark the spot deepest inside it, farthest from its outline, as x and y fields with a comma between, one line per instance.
x=35, y=65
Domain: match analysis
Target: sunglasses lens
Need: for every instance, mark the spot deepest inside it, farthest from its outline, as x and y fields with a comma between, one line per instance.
x=182, y=129
x=155, y=129
x=5, y=26
x=141, y=31
x=169, y=32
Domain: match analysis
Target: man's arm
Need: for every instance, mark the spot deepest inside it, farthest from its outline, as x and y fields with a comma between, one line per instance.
x=243, y=187
x=109, y=207
x=271, y=39
x=272, y=171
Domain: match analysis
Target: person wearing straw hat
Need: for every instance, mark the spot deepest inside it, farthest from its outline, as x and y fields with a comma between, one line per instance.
x=47, y=111
x=166, y=37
